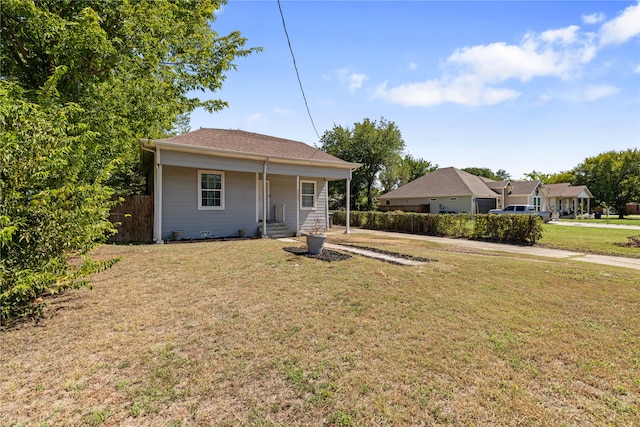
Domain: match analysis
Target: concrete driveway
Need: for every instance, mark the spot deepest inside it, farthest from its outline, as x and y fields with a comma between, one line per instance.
x=633, y=263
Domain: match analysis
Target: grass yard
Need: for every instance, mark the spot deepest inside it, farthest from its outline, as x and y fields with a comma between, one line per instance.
x=244, y=333
x=604, y=241
x=612, y=219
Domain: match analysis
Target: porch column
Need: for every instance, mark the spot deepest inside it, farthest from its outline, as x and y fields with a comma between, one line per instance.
x=157, y=200
x=326, y=205
x=347, y=230
x=264, y=200
x=298, y=205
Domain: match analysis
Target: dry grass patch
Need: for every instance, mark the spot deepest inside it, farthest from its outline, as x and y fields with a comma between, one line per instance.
x=244, y=333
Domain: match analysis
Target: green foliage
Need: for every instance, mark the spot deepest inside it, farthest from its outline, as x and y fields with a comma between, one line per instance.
x=133, y=67
x=373, y=144
x=403, y=171
x=407, y=222
x=487, y=173
x=47, y=213
x=613, y=178
x=561, y=177
x=518, y=229
x=514, y=229
x=81, y=82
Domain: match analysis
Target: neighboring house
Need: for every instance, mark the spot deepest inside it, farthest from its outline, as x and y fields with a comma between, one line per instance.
x=569, y=200
x=633, y=208
x=444, y=190
x=451, y=190
x=212, y=182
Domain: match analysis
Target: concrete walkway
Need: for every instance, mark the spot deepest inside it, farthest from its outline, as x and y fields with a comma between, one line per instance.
x=372, y=254
x=633, y=263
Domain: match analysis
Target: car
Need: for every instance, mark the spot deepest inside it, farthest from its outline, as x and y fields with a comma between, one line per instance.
x=522, y=210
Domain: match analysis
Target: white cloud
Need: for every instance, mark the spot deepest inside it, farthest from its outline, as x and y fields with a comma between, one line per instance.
x=353, y=80
x=637, y=69
x=565, y=36
x=356, y=81
x=593, y=93
x=594, y=18
x=282, y=111
x=474, y=75
x=464, y=90
x=622, y=28
x=256, y=118
x=553, y=53
x=412, y=66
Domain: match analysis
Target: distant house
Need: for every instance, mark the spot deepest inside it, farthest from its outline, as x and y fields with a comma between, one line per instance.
x=569, y=200
x=219, y=183
x=633, y=208
x=451, y=190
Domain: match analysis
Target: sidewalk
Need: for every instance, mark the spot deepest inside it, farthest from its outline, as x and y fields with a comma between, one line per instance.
x=633, y=263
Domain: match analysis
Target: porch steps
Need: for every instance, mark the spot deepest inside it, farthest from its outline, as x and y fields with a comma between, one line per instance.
x=276, y=230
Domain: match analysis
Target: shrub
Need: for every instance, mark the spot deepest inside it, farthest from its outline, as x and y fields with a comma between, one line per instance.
x=47, y=213
x=517, y=229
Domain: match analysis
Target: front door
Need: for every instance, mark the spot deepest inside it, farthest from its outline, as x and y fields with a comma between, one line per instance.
x=261, y=199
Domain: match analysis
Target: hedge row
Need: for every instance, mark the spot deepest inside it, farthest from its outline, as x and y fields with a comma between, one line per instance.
x=515, y=229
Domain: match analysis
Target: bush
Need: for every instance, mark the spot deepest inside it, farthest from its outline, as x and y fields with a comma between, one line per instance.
x=47, y=214
x=516, y=229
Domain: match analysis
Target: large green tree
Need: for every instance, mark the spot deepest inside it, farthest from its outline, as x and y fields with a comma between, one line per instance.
x=47, y=211
x=80, y=82
x=374, y=144
x=499, y=175
x=403, y=171
x=133, y=67
x=613, y=178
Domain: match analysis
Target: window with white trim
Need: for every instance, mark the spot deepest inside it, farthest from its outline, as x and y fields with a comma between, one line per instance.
x=210, y=190
x=307, y=195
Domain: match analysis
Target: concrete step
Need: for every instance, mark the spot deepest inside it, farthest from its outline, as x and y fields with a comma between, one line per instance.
x=276, y=230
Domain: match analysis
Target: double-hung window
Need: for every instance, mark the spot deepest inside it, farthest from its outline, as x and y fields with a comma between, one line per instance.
x=210, y=190
x=308, y=195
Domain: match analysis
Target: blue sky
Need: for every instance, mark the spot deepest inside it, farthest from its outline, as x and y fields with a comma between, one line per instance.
x=511, y=85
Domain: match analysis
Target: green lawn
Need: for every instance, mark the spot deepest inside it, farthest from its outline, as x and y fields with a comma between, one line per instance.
x=613, y=219
x=604, y=241
x=244, y=333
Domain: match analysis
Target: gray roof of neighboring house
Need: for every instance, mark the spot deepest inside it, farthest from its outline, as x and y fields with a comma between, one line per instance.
x=248, y=143
x=523, y=187
x=567, y=190
x=442, y=182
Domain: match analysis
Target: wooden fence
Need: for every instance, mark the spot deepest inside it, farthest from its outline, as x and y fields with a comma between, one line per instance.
x=133, y=219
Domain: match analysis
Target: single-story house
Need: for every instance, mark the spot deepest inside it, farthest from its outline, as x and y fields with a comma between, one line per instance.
x=569, y=200
x=452, y=190
x=220, y=183
x=444, y=190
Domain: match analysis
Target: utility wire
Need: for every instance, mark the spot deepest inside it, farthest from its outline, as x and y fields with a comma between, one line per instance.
x=297, y=72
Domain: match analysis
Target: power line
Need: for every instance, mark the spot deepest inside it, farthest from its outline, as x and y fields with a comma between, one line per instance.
x=297, y=72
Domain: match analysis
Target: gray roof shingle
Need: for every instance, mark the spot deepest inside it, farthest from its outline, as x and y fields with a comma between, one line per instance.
x=242, y=142
x=442, y=182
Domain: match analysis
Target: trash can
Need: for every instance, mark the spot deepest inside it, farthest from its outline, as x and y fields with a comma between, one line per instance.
x=330, y=219
x=598, y=215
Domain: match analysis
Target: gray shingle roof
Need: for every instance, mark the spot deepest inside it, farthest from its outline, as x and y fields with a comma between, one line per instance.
x=443, y=182
x=523, y=187
x=567, y=190
x=249, y=143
